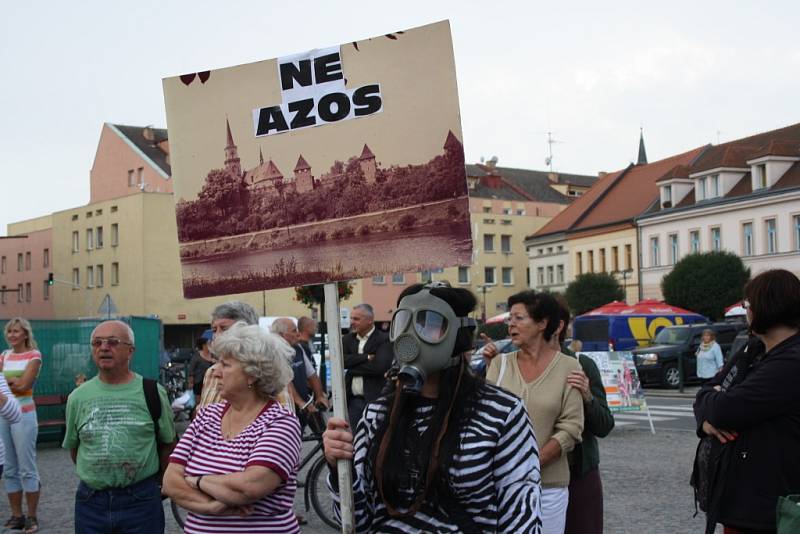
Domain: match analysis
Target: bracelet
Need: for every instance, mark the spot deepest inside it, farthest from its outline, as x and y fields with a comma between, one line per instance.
x=197, y=484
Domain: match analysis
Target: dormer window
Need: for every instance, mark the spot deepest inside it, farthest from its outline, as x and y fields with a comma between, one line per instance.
x=667, y=196
x=713, y=186
x=761, y=176
x=701, y=188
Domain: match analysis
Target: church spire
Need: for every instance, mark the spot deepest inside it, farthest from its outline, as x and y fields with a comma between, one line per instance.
x=260, y=156
x=232, y=162
x=642, y=159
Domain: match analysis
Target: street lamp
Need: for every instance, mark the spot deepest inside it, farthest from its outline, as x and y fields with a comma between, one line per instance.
x=484, y=289
x=625, y=274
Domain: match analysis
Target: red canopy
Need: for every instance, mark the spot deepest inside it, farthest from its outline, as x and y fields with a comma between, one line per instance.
x=645, y=307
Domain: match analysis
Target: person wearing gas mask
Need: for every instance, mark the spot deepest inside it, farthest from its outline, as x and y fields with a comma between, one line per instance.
x=367, y=358
x=441, y=450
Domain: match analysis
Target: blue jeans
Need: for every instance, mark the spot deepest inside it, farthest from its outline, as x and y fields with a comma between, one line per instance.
x=19, y=441
x=134, y=509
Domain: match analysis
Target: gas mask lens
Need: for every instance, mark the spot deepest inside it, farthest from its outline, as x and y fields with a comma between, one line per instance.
x=399, y=323
x=430, y=326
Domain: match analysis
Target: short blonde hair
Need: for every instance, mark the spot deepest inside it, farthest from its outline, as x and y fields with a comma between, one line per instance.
x=30, y=343
x=264, y=357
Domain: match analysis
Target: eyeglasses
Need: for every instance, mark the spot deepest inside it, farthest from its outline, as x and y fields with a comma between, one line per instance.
x=516, y=318
x=110, y=341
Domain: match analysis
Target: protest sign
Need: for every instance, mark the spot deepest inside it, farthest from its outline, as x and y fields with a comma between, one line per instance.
x=339, y=163
x=623, y=389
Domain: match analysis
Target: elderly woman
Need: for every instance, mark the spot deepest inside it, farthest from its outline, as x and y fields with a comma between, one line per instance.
x=752, y=409
x=235, y=467
x=709, y=356
x=20, y=365
x=538, y=374
x=441, y=450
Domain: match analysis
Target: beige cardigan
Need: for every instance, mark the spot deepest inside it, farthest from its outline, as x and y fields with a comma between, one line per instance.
x=555, y=408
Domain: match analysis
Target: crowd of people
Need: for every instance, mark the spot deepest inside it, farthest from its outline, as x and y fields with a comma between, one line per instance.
x=434, y=447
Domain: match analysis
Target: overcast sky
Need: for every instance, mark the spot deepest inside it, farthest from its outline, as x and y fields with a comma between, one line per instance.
x=593, y=72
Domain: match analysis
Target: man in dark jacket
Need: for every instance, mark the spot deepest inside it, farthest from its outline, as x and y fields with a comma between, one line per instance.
x=368, y=356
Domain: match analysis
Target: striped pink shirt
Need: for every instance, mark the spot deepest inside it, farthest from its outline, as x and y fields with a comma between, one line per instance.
x=14, y=365
x=272, y=440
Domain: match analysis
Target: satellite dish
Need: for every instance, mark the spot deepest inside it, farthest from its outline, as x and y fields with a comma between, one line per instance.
x=547, y=161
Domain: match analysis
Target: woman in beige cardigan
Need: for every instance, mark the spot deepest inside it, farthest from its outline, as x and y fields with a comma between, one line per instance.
x=537, y=373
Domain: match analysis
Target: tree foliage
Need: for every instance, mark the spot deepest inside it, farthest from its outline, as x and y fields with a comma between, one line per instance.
x=592, y=290
x=706, y=283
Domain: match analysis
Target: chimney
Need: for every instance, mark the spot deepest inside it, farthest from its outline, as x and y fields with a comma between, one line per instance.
x=553, y=177
x=148, y=134
x=601, y=175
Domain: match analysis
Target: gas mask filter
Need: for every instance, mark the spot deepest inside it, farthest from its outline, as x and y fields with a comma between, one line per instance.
x=423, y=335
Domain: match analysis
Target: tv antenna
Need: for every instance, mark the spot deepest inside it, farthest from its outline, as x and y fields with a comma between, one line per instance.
x=550, y=142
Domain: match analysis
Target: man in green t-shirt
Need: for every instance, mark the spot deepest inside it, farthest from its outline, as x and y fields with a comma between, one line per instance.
x=112, y=441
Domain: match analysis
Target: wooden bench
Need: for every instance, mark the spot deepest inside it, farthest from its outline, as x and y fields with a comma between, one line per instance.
x=51, y=400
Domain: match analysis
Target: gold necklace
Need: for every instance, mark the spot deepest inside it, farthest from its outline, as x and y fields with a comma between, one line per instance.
x=228, y=434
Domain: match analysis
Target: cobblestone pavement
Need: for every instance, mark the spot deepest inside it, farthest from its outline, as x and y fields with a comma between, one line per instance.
x=645, y=480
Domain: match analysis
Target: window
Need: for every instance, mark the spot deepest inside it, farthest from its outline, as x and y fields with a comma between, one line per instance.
x=115, y=274
x=88, y=214
x=114, y=235
x=747, y=239
x=694, y=241
x=550, y=275
x=76, y=278
x=590, y=260
x=20, y=263
x=655, y=253
x=75, y=217
x=99, y=276
x=560, y=273
x=560, y=248
x=89, y=239
x=716, y=239
x=75, y=242
x=46, y=258
x=628, y=257
x=98, y=212
x=701, y=189
x=27, y=261
x=505, y=244
x=379, y=280
x=713, y=184
x=463, y=275
x=540, y=251
x=3, y=264
x=602, y=260
x=549, y=250
x=505, y=222
x=520, y=211
x=113, y=209
x=667, y=195
x=796, y=236
x=425, y=276
x=131, y=179
x=540, y=276
x=488, y=242
x=772, y=236
x=398, y=279
x=487, y=209
x=28, y=292
x=614, y=259
x=579, y=263
x=488, y=221
x=99, y=237
x=508, y=276
x=46, y=290
x=507, y=211
x=673, y=248
x=761, y=176
x=20, y=294
x=89, y=276
x=488, y=275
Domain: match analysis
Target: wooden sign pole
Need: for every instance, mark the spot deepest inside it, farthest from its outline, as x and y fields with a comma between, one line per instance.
x=343, y=467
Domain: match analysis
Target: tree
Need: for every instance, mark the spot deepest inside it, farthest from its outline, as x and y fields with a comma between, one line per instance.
x=706, y=283
x=592, y=290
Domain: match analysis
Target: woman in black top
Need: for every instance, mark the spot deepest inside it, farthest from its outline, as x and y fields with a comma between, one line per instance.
x=752, y=407
x=199, y=364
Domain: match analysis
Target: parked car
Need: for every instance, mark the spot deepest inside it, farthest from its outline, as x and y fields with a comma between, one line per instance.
x=658, y=364
x=477, y=362
x=738, y=342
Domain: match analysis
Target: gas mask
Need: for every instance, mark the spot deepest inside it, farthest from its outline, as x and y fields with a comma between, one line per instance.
x=423, y=335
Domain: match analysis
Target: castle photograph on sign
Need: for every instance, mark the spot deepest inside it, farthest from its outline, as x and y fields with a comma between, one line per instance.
x=340, y=163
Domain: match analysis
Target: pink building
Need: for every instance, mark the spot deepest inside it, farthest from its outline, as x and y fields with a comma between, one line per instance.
x=25, y=262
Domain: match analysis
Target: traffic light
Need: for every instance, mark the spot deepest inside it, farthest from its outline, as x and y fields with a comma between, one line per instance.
x=50, y=280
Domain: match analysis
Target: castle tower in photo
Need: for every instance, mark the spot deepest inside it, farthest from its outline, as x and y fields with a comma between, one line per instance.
x=368, y=166
x=302, y=176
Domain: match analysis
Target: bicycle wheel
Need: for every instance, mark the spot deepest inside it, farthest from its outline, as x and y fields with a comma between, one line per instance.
x=317, y=487
x=178, y=513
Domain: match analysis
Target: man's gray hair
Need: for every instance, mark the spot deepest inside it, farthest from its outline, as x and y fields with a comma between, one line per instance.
x=264, y=357
x=305, y=321
x=366, y=308
x=235, y=310
x=281, y=325
x=126, y=326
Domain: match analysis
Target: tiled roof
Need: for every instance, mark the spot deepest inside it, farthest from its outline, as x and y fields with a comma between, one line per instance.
x=779, y=147
x=302, y=164
x=535, y=185
x=150, y=148
x=791, y=178
x=736, y=153
x=679, y=171
x=743, y=187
